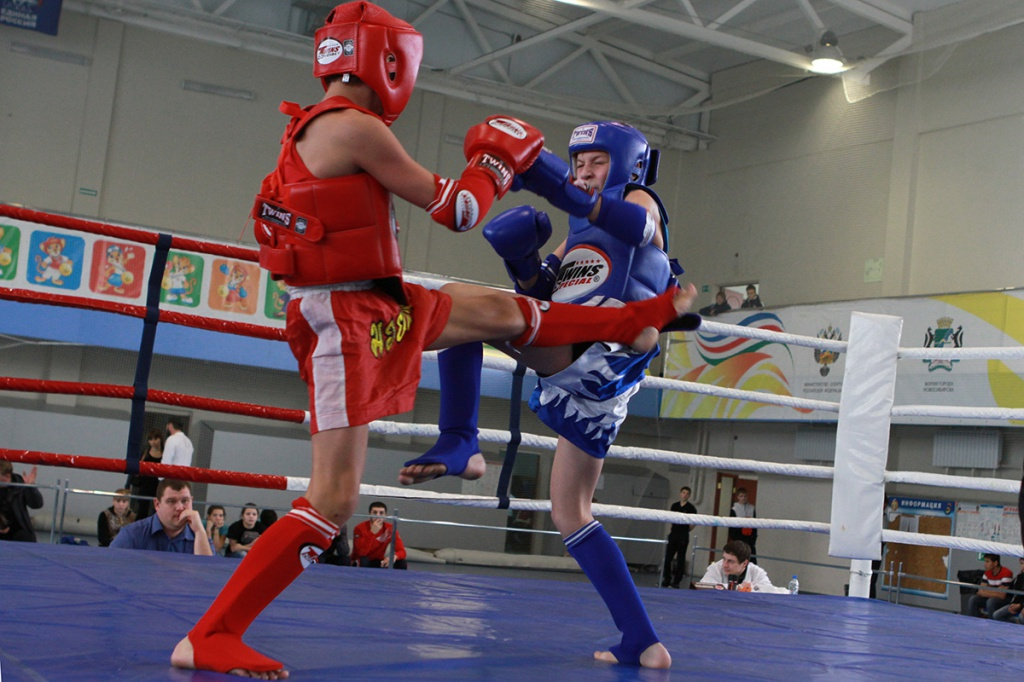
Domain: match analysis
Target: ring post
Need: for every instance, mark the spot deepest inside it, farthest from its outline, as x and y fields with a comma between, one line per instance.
x=862, y=442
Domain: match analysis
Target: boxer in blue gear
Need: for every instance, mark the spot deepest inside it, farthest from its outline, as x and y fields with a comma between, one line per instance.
x=615, y=252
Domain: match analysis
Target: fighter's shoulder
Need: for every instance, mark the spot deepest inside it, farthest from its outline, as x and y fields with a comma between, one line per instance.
x=347, y=125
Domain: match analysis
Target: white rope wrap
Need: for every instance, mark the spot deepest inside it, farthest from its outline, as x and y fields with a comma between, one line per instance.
x=950, y=412
x=979, y=353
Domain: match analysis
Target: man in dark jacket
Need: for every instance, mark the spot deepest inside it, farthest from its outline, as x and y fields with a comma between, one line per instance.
x=15, y=501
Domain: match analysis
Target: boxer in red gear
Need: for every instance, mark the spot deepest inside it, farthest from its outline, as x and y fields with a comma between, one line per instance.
x=372, y=329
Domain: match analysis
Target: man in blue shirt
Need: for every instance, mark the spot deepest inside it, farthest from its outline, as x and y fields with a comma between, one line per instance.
x=174, y=527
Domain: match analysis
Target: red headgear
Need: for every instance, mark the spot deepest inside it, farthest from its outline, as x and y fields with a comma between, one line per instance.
x=384, y=52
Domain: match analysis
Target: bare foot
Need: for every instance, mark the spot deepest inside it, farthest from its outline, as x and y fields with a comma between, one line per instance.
x=654, y=656
x=476, y=466
x=684, y=298
x=647, y=340
x=183, y=657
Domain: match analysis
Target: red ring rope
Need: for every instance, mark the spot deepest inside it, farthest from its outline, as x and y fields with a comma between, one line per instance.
x=128, y=233
x=193, y=474
x=153, y=395
x=172, y=316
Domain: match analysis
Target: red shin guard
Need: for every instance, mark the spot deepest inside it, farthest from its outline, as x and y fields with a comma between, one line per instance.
x=559, y=324
x=289, y=546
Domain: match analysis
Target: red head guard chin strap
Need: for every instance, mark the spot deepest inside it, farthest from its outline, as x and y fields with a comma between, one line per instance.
x=366, y=41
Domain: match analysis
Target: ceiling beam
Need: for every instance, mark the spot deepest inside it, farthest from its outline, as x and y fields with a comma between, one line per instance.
x=542, y=37
x=687, y=30
x=692, y=78
x=481, y=39
x=901, y=23
x=613, y=78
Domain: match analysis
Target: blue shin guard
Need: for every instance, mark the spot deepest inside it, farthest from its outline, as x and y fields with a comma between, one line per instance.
x=459, y=369
x=603, y=563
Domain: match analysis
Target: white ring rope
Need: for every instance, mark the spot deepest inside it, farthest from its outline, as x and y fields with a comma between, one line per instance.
x=996, y=485
x=952, y=542
x=999, y=485
x=659, y=516
x=767, y=335
x=737, y=394
x=1006, y=413
x=979, y=353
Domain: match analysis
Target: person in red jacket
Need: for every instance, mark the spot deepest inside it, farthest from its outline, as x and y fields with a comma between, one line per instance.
x=371, y=540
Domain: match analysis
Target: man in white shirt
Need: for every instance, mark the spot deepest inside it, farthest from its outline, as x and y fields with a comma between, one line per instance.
x=177, y=447
x=735, y=563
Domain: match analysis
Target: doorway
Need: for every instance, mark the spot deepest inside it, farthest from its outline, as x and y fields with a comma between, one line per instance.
x=726, y=485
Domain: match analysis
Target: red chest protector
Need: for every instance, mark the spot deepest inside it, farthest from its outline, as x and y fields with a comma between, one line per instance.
x=323, y=230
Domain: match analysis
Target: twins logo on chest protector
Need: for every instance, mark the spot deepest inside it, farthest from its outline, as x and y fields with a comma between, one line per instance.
x=584, y=269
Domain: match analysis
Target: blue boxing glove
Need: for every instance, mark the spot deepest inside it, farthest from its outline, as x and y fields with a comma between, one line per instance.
x=517, y=235
x=546, y=278
x=549, y=177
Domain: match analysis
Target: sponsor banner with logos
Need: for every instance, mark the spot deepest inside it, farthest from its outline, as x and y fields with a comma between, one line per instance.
x=986, y=319
x=43, y=258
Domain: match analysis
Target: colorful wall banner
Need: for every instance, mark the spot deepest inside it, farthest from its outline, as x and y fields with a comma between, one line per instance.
x=986, y=319
x=34, y=15
x=44, y=258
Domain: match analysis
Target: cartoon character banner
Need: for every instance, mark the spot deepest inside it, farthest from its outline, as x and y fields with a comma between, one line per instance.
x=986, y=319
x=44, y=258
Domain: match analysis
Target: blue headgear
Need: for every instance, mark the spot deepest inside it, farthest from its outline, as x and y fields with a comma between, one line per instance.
x=632, y=159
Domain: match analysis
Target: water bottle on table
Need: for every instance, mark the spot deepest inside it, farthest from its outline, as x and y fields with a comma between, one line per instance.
x=794, y=586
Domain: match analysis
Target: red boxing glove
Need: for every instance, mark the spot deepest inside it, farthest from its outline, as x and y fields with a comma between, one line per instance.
x=502, y=147
x=460, y=204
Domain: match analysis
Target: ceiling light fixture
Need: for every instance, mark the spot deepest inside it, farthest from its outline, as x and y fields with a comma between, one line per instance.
x=827, y=57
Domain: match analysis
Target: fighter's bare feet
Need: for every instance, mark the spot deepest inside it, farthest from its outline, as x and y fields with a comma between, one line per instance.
x=183, y=656
x=476, y=466
x=654, y=656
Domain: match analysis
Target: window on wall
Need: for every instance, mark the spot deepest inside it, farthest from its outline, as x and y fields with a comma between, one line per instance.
x=735, y=294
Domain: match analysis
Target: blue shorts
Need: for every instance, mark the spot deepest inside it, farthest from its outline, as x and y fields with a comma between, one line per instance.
x=586, y=402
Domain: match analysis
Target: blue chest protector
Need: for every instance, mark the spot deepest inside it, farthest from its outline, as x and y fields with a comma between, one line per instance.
x=599, y=265
x=587, y=401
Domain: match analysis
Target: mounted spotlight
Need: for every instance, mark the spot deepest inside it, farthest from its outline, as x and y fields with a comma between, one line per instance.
x=827, y=57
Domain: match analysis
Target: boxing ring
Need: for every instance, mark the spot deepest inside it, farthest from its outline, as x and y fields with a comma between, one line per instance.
x=79, y=613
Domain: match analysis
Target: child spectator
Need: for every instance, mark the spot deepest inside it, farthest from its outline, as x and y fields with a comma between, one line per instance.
x=115, y=517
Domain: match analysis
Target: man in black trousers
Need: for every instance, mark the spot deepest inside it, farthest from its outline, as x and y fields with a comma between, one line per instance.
x=678, y=541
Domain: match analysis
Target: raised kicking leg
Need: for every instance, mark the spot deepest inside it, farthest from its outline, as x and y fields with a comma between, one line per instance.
x=574, y=476
x=289, y=546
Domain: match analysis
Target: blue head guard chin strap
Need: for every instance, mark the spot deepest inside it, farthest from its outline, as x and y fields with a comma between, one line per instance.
x=632, y=159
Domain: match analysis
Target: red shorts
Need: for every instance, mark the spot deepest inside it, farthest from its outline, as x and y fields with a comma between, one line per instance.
x=359, y=352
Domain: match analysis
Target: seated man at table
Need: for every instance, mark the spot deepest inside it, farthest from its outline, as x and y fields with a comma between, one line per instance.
x=735, y=566
x=174, y=527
